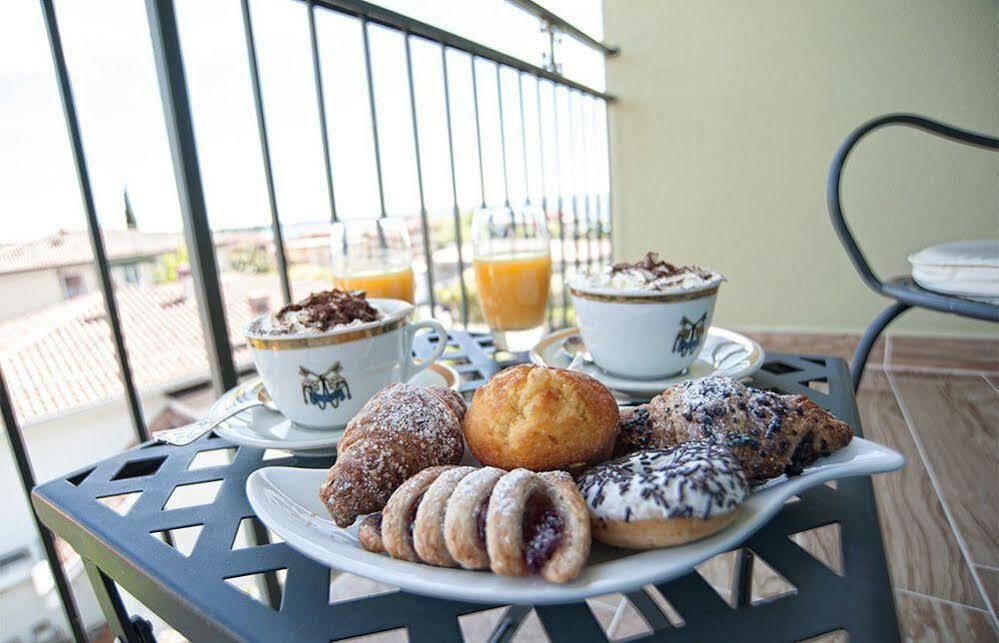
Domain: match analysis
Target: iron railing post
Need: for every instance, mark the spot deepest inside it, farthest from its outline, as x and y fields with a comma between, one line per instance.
x=101, y=262
x=265, y=151
x=317, y=74
x=502, y=133
x=478, y=131
x=427, y=254
x=560, y=202
x=197, y=230
x=456, y=211
x=27, y=477
x=374, y=115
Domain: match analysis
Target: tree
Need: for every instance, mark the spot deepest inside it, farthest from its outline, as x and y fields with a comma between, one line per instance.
x=130, y=221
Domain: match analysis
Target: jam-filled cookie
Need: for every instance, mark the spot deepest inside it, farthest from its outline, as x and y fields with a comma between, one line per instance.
x=517, y=523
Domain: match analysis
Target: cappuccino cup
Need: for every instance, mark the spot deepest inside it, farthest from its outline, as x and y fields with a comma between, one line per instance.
x=320, y=380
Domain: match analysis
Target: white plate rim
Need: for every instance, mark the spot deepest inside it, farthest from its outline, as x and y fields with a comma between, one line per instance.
x=861, y=457
x=756, y=356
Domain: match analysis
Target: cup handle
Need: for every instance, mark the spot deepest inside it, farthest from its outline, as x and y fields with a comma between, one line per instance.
x=410, y=366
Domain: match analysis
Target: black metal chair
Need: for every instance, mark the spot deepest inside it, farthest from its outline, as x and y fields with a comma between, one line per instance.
x=905, y=292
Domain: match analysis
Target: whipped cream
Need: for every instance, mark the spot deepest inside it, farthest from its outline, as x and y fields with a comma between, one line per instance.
x=649, y=275
x=318, y=313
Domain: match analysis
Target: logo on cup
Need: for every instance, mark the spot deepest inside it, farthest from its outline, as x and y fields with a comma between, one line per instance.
x=324, y=389
x=688, y=338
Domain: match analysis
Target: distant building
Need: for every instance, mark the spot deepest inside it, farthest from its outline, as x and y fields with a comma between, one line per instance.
x=60, y=366
x=39, y=273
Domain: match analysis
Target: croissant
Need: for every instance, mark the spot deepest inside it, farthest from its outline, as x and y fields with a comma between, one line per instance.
x=402, y=430
x=517, y=523
x=770, y=434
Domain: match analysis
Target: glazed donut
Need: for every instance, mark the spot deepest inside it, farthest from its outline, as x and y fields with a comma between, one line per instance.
x=537, y=524
x=465, y=518
x=428, y=527
x=658, y=498
x=400, y=513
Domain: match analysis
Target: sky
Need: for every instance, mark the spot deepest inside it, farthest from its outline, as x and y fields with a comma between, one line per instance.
x=111, y=68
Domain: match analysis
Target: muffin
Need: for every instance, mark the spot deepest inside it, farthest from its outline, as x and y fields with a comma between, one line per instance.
x=541, y=419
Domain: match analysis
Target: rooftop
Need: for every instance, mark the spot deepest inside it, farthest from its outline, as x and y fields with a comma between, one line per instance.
x=62, y=358
x=72, y=247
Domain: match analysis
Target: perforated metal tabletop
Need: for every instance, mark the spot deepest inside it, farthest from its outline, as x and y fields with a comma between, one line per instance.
x=189, y=590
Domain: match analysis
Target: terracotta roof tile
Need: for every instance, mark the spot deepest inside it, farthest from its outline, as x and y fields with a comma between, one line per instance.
x=68, y=248
x=62, y=358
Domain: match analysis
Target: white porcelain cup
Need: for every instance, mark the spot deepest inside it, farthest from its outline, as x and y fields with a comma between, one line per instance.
x=321, y=380
x=644, y=335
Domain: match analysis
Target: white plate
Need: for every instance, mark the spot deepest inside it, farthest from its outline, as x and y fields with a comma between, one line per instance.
x=724, y=353
x=266, y=429
x=286, y=499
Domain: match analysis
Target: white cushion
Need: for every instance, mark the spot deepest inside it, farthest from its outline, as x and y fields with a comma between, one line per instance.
x=963, y=268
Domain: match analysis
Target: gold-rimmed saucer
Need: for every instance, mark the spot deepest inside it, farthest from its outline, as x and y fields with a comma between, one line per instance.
x=724, y=352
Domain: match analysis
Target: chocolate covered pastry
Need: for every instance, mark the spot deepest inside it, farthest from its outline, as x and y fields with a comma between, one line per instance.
x=770, y=434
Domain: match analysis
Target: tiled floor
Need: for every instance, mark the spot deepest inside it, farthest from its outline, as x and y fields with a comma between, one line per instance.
x=936, y=401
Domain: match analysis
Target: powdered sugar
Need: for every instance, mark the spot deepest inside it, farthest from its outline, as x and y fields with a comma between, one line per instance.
x=402, y=430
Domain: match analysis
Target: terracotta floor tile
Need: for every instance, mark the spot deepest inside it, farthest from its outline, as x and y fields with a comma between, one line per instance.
x=957, y=421
x=990, y=578
x=927, y=620
x=840, y=345
x=923, y=552
x=914, y=353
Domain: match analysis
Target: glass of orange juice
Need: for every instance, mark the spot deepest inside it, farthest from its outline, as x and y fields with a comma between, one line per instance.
x=373, y=255
x=512, y=264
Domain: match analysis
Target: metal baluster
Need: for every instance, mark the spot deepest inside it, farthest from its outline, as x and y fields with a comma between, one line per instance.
x=502, y=133
x=523, y=136
x=560, y=203
x=427, y=256
x=197, y=231
x=265, y=152
x=27, y=476
x=597, y=181
x=605, y=140
x=478, y=133
x=454, y=190
x=101, y=262
x=573, y=182
x=374, y=117
x=317, y=73
x=603, y=204
x=544, y=189
x=586, y=171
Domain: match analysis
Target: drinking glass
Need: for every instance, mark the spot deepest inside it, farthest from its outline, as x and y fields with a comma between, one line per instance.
x=373, y=255
x=512, y=264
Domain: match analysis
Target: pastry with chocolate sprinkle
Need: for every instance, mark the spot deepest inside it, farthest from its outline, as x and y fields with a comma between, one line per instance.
x=769, y=433
x=664, y=497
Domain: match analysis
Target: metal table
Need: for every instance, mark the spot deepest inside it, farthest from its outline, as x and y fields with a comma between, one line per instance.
x=191, y=593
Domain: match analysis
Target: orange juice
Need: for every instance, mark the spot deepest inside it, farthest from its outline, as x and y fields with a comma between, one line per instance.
x=398, y=284
x=513, y=289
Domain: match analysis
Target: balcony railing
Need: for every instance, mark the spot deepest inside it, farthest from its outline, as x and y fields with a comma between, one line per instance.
x=580, y=221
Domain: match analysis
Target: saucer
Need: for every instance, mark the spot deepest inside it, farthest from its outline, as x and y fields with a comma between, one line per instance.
x=724, y=353
x=264, y=428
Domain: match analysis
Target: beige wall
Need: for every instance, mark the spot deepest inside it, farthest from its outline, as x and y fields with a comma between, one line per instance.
x=731, y=110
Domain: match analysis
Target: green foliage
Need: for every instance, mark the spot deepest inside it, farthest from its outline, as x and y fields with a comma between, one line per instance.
x=169, y=264
x=251, y=259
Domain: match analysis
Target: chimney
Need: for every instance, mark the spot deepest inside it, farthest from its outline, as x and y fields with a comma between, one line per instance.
x=259, y=302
